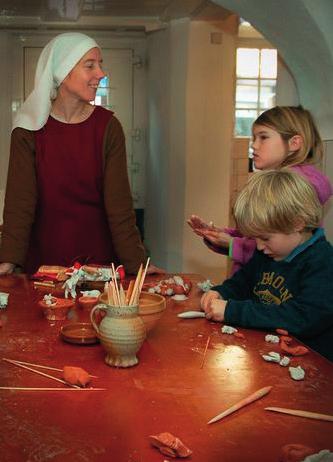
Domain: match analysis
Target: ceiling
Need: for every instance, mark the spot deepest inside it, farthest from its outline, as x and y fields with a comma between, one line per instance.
x=135, y=14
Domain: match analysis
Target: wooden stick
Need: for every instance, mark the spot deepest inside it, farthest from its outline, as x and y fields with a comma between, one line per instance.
x=46, y=367
x=136, y=285
x=115, y=284
x=299, y=413
x=243, y=402
x=44, y=284
x=129, y=291
x=122, y=294
x=204, y=354
x=51, y=389
x=107, y=292
x=143, y=276
x=113, y=294
x=39, y=372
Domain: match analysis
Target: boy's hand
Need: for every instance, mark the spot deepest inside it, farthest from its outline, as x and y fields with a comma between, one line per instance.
x=213, y=305
x=215, y=310
x=207, y=298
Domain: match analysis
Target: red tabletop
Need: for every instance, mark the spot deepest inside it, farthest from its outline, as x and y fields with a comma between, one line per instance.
x=168, y=391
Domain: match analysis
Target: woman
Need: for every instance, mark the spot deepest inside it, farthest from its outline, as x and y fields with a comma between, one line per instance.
x=68, y=196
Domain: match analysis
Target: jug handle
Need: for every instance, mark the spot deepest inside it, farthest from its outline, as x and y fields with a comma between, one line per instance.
x=100, y=306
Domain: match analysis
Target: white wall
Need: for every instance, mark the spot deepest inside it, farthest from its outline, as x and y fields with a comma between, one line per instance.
x=167, y=72
x=210, y=119
x=191, y=101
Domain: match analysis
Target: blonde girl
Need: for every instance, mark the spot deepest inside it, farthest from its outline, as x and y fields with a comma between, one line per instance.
x=284, y=136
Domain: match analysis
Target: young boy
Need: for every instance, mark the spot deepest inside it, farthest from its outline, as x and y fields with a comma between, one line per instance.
x=288, y=283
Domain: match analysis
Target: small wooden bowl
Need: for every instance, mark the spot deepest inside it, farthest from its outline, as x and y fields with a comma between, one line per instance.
x=58, y=311
x=80, y=333
x=87, y=303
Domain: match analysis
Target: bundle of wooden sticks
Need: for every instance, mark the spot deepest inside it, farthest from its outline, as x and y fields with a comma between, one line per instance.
x=115, y=292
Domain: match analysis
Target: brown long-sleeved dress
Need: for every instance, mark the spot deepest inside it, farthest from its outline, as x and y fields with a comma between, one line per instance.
x=68, y=196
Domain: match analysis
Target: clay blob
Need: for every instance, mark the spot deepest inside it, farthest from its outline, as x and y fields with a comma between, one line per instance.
x=228, y=330
x=76, y=376
x=239, y=335
x=282, y=331
x=296, y=373
x=272, y=338
x=169, y=445
x=295, y=452
x=175, y=285
x=298, y=350
x=191, y=314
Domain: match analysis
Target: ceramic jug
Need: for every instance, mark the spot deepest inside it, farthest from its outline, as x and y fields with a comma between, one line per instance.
x=121, y=332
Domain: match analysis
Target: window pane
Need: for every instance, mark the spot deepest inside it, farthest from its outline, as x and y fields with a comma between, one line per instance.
x=244, y=121
x=268, y=63
x=267, y=93
x=247, y=95
x=247, y=62
x=103, y=94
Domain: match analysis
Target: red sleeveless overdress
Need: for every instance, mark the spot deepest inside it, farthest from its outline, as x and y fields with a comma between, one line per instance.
x=70, y=220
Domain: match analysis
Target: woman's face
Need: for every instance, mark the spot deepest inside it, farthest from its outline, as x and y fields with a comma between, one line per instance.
x=269, y=149
x=82, y=81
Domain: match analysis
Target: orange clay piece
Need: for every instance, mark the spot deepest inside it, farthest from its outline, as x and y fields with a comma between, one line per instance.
x=239, y=335
x=76, y=376
x=169, y=445
x=282, y=332
x=294, y=351
x=295, y=452
x=285, y=339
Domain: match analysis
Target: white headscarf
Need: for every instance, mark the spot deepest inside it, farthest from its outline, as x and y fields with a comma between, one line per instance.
x=57, y=59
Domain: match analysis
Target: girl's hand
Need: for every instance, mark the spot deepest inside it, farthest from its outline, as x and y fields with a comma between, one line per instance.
x=218, y=238
x=207, y=298
x=6, y=268
x=209, y=231
x=215, y=310
x=200, y=227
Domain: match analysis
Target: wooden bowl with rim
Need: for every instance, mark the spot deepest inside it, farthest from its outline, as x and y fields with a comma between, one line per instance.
x=151, y=308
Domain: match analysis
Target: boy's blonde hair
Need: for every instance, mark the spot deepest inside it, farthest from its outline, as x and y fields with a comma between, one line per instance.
x=276, y=201
x=289, y=121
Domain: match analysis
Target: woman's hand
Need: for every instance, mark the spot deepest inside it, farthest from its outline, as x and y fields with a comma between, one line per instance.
x=6, y=268
x=209, y=231
x=152, y=269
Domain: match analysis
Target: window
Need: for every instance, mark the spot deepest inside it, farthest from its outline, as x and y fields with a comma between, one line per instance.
x=103, y=93
x=256, y=72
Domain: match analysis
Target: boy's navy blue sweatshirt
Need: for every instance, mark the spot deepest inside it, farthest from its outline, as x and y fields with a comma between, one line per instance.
x=295, y=294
